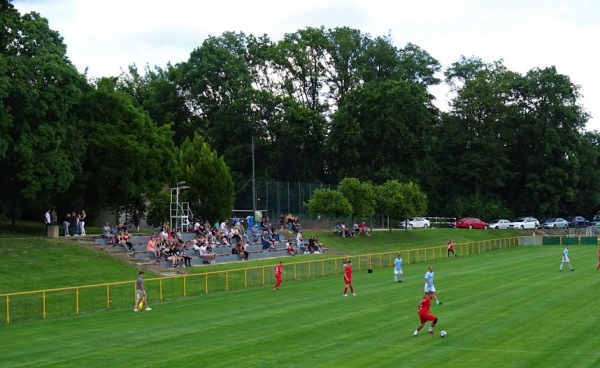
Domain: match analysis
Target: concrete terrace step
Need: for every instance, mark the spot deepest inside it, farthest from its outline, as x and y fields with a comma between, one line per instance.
x=228, y=257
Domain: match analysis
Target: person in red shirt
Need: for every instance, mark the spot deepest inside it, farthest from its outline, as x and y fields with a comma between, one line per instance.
x=278, y=272
x=425, y=315
x=451, y=248
x=348, y=279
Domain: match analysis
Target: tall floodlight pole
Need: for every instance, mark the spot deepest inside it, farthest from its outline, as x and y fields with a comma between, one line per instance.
x=253, y=183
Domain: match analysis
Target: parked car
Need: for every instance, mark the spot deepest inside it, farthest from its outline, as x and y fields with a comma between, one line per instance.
x=471, y=223
x=524, y=223
x=499, y=224
x=578, y=221
x=555, y=223
x=415, y=222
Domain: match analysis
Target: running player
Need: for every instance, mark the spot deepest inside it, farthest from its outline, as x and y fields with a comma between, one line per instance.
x=425, y=315
x=429, y=287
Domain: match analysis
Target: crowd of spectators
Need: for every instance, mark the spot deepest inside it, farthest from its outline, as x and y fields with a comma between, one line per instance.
x=170, y=245
x=73, y=223
x=357, y=229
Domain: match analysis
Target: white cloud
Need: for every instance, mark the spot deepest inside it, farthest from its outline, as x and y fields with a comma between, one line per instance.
x=109, y=35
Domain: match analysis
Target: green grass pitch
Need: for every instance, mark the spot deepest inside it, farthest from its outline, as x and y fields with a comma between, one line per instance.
x=509, y=308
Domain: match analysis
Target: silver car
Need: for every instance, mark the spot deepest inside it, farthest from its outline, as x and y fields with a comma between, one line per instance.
x=499, y=224
x=555, y=223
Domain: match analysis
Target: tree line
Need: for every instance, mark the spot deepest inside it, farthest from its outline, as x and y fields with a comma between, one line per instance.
x=320, y=104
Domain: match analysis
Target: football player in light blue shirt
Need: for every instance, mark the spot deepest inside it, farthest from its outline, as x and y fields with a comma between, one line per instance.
x=429, y=287
x=398, y=269
x=565, y=259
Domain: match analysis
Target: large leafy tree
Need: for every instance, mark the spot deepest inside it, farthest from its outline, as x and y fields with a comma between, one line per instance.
x=217, y=83
x=398, y=200
x=361, y=196
x=475, y=136
x=345, y=48
x=329, y=203
x=301, y=65
x=40, y=151
x=126, y=156
x=381, y=132
x=587, y=200
x=211, y=193
x=292, y=142
x=545, y=152
x=157, y=92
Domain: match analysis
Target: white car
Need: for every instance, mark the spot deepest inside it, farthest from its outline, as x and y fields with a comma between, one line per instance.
x=524, y=223
x=499, y=224
x=416, y=222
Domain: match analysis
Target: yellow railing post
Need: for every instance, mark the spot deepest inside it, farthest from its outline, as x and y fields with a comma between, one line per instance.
x=107, y=296
x=7, y=309
x=44, y=305
x=77, y=301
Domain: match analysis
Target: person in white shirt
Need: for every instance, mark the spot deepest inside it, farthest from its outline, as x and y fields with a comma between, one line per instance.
x=299, y=239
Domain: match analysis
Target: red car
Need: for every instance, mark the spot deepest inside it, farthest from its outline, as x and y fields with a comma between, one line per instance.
x=471, y=223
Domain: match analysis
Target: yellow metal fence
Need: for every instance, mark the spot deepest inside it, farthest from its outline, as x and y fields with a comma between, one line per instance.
x=69, y=301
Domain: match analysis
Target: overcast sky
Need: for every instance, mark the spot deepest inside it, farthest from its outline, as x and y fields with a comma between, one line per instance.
x=107, y=36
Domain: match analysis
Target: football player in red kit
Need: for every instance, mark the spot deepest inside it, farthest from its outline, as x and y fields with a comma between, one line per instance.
x=425, y=315
x=278, y=272
x=348, y=279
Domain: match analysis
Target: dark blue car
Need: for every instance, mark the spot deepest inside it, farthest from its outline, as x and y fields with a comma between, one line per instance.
x=578, y=221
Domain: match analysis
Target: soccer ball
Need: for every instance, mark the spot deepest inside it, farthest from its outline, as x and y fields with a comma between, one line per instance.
x=443, y=334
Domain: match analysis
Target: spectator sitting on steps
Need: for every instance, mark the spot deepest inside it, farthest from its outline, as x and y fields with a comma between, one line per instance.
x=265, y=241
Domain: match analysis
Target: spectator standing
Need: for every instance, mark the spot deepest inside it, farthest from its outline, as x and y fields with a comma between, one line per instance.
x=67, y=224
x=451, y=248
x=47, y=219
x=290, y=222
x=136, y=220
x=82, y=217
x=53, y=217
x=73, y=225
x=300, y=240
x=278, y=272
x=348, y=279
x=140, y=292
